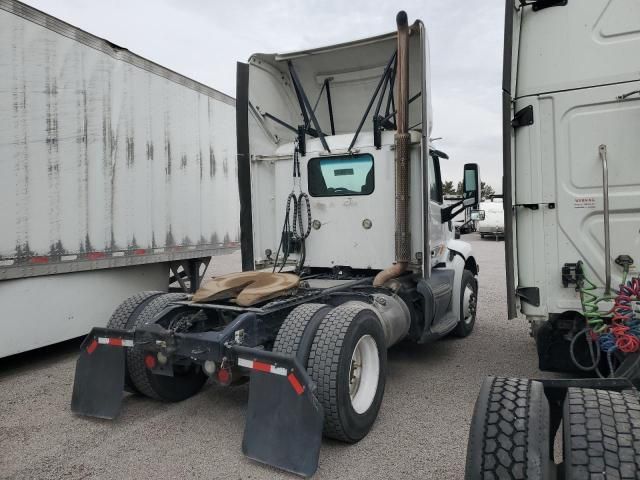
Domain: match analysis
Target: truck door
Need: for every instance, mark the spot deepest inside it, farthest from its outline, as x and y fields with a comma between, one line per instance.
x=437, y=230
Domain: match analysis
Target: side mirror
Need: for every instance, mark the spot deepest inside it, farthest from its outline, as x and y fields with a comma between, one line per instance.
x=471, y=185
x=477, y=215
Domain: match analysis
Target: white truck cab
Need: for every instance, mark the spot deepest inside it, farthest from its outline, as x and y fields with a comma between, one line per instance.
x=349, y=173
x=347, y=249
x=571, y=103
x=571, y=115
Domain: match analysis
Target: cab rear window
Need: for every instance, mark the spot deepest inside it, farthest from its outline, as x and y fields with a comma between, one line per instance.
x=346, y=175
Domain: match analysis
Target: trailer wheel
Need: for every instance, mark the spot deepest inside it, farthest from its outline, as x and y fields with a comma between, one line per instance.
x=186, y=381
x=509, y=437
x=601, y=434
x=468, y=305
x=348, y=363
x=298, y=330
x=124, y=317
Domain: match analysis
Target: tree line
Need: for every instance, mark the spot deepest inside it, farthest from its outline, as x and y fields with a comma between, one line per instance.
x=449, y=190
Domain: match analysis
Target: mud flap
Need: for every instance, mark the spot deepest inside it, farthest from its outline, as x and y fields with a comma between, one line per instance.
x=99, y=380
x=284, y=418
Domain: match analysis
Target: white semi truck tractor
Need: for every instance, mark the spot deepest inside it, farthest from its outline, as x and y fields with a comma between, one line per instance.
x=571, y=103
x=346, y=246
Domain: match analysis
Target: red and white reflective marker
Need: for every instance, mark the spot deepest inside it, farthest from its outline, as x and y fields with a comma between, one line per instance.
x=269, y=368
x=263, y=367
x=115, y=342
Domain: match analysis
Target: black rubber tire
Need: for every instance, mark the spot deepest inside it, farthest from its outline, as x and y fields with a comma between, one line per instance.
x=160, y=387
x=124, y=318
x=601, y=434
x=329, y=365
x=509, y=436
x=298, y=330
x=464, y=329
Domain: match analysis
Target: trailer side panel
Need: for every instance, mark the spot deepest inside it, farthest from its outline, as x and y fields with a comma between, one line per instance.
x=106, y=159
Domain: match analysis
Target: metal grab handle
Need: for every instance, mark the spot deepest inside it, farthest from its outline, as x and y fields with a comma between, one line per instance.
x=607, y=245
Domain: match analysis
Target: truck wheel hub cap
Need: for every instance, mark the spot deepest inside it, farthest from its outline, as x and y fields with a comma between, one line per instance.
x=364, y=373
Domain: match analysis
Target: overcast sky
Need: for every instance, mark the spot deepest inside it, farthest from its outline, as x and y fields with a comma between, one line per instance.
x=203, y=39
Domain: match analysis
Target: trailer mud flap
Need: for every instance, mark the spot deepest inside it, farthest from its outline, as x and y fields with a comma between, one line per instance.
x=99, y=380
x=284, y=418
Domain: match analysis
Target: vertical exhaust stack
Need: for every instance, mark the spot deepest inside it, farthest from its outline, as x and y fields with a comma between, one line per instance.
x=402, y=236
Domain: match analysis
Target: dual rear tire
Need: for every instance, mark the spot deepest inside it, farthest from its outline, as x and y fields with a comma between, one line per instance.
x=186, y=381
x=344, y=351
x=510, y=433
x=601, y=434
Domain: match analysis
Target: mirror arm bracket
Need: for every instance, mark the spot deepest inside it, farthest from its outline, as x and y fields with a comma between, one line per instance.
x=448, y=213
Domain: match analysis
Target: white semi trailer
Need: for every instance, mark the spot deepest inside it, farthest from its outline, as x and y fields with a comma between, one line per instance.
x=113, y=171
x=571, y=98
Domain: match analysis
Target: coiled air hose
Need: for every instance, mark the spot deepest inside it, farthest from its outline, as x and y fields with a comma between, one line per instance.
x=616, y=330
x=293, y=230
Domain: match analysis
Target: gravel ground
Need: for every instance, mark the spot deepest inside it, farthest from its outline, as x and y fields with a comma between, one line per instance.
x=421, y=431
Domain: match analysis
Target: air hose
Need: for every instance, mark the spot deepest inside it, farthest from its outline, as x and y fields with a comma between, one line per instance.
x=616, y=330
x=590, y=308
x=625, y=328
x=294, y=232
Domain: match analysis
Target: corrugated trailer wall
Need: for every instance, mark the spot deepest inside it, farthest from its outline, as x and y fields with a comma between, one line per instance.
x=106, y=159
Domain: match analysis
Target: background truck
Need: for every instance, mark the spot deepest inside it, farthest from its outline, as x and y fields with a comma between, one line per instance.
x=571, y=98
x=464, y=223
x=113, y=170
x=346, y=245
x=492, y=214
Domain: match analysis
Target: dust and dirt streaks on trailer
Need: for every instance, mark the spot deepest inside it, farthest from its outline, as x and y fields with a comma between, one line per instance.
x=107, y=158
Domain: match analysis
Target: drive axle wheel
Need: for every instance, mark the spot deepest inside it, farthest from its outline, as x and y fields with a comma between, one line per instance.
x=186, y=380
x=125, y=317
x=509, y=437
x=601, y=434
x=298, y=330
x=348, y=363
x=364, y=372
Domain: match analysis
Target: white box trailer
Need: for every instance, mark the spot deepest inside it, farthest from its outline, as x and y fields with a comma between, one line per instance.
x=112, y=170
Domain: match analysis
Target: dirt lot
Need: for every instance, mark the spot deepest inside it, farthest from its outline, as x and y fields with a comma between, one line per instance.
x=421, y=431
